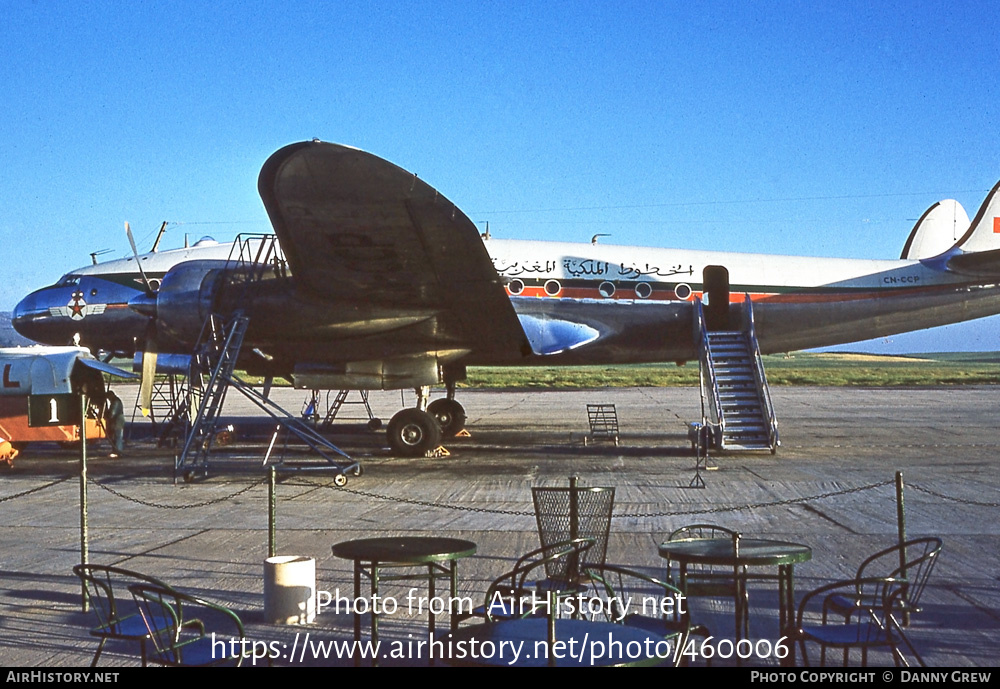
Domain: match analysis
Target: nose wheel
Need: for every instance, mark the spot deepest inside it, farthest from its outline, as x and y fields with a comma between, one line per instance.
x=413, y=433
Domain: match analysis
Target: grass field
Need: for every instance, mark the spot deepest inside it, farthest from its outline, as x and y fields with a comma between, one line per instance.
x=798, y=368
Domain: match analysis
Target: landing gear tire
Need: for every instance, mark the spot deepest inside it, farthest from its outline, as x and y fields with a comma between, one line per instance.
x=412, y=433
x=339, y=480
x=450, y=416
x=374, y=424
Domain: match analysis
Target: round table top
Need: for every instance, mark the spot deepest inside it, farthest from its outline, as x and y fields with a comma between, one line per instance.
x=405, y=549
x=719, y=551
x=513, y=643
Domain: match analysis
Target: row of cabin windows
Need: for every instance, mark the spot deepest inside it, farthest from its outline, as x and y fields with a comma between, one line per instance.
x=643, y=290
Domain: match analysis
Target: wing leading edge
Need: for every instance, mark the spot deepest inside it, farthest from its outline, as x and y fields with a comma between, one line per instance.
x=358, y=229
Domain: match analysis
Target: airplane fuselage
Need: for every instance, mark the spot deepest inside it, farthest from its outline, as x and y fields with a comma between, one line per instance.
x=635, y=303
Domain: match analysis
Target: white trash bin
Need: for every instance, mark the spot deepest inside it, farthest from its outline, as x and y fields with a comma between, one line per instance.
x=289, y=589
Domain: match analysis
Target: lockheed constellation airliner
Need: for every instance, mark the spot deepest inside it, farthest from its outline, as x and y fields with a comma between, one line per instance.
x=386, y=284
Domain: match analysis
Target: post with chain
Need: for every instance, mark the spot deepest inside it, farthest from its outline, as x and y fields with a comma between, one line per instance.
x=84, y=544
x=901, y=526
x=271, y=513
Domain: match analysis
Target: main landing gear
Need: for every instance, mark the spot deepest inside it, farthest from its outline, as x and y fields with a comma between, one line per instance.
x=416, y=431
x=413, y=433
x=450, y=416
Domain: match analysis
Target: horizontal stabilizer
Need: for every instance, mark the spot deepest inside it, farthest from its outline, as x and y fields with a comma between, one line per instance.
x=982, y=264
x=552, y=336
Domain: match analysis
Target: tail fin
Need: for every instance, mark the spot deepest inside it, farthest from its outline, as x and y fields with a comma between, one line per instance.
x=984, y=233
x=937, y=230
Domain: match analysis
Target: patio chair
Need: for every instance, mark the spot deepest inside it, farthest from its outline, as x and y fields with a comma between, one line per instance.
x=712, y=581
x=115, y=610
x=197, y=633
x=565, y=514
x=504, y=595
x=912, y=563
x=912, y=560
x=636, y=599
x=868, y=625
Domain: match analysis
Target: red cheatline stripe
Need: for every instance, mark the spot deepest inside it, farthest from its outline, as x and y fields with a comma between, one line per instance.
x=737, y=297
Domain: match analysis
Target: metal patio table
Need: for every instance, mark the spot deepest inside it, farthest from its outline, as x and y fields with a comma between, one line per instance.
x=753, y=552
x=371, y=555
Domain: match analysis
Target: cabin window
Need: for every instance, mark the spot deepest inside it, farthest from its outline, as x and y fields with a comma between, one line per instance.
x=515, y=286
x=682, y=291
x=552, y=287
x=643, y=290
x=607, y=289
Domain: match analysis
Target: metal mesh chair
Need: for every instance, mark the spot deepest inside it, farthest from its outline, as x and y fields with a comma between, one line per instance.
x=197, y=633
x=507, y=596
x=911, y=562
x=116, y=612
x=564, y=514
x=868, y=625
x=636, y=599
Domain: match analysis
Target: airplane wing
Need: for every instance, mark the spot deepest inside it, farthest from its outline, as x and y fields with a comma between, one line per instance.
x=356, y=227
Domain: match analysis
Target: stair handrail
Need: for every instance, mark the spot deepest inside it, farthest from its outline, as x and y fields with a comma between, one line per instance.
x=233, y=338
x=713, y=416
x=758, y=370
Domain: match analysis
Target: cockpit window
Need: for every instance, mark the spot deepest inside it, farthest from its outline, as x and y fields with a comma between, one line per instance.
x=68, y=279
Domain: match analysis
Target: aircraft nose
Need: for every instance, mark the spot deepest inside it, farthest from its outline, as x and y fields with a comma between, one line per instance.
x=22, y=319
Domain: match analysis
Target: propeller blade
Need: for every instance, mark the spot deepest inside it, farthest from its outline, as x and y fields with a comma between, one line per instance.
x=138, y=263
x=149, y=352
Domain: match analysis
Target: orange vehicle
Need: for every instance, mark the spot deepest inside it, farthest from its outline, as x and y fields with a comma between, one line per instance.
x=40, y=395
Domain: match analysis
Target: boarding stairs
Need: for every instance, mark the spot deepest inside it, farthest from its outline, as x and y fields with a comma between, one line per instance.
x=217, y=354
x=736, y=401
x=213, y=370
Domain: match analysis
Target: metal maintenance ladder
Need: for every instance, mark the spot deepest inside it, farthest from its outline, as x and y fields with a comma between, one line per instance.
x=736, y=400
x=163, y=404
x=341, y=399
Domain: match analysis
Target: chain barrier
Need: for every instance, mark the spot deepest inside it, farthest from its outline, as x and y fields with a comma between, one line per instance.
x=34, y=490
x=964, y=501
x=754, y=506
x=420, y=503
x=206, y=503
x=638, y=515
x=511, y=513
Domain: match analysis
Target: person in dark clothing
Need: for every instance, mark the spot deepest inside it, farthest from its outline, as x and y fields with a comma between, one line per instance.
x=114, y=418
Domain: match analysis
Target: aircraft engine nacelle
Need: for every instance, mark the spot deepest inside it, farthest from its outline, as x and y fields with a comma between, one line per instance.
x=391, y=374
x=185, y=299
x=166, y=364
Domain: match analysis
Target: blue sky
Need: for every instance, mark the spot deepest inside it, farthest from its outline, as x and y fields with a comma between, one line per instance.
x=783, y=127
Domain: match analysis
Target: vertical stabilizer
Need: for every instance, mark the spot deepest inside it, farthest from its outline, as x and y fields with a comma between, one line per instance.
x=938, y=229
x=984, y=234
